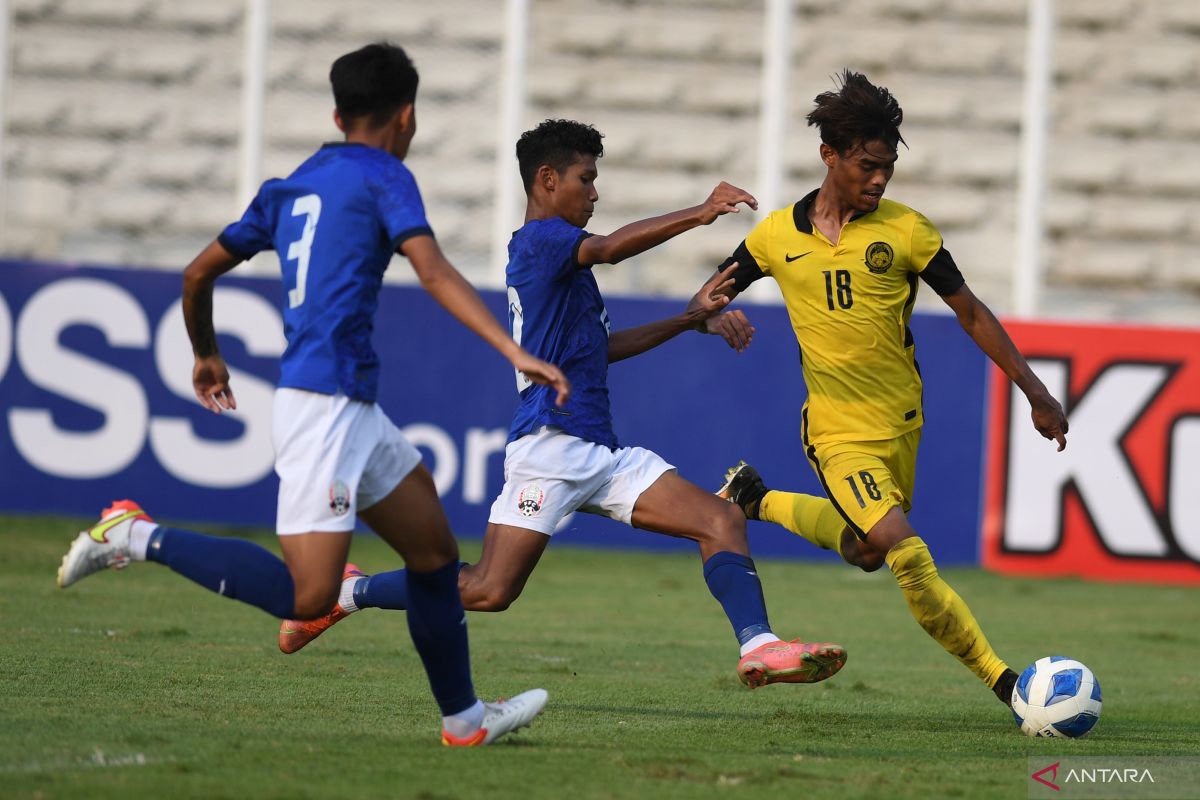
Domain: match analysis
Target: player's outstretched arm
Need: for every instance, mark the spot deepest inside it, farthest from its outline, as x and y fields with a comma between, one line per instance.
x=704, y=305
x=452, y=291
x=979, y=321
x=638, y=237
x=210, y=376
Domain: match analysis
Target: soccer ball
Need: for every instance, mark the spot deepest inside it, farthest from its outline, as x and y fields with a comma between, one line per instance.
x=1056, y=696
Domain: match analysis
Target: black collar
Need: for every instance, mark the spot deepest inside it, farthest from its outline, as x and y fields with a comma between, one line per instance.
x=800, y=212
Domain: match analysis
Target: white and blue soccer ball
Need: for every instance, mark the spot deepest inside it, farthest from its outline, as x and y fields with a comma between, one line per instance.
x=1056, y=696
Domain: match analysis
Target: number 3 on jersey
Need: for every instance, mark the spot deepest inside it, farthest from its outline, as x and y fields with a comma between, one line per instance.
x=299, y=251
x=516, y=319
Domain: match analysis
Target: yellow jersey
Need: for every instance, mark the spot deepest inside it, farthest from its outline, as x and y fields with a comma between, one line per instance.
x=849, y=305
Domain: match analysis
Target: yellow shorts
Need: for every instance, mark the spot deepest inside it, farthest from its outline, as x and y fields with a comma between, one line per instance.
x=866, y=479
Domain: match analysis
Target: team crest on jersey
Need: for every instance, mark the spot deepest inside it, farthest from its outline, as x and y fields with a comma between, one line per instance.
x=529, y=501
x=339, y=498
x=879, y=257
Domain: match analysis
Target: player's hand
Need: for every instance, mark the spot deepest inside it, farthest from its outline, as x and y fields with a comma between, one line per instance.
x=724, y=200
x=544, y=373
x=733, y=327
x=713, y=295
x=1049, y=419
x=210, y=379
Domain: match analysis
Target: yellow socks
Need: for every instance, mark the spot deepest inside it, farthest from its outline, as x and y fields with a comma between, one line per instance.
x=814, y=518
x=940, y=611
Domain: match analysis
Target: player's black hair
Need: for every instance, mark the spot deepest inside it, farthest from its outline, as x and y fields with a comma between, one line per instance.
x=857, y=113
x=557, y=143
x=376, y=81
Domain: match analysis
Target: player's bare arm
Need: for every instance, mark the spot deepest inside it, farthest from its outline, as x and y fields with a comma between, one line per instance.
x=981, y=324
x=703, y=305
x=452, y=291
x=210, y=376
x=638, y=237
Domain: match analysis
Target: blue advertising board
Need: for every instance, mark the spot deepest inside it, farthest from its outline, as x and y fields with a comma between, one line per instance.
x=96, y=404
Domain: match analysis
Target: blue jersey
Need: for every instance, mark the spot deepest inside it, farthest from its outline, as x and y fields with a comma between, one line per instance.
x=335, y=223
x=555, y=311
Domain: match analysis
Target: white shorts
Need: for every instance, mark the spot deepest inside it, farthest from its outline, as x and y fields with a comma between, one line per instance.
x=334, y=457
x=549, y=474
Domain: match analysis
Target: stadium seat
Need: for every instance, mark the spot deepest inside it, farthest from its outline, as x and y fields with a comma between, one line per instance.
x=730, y=90
x=577, y=34
x=34, y=108
x=200, y=18
x=304, y=18
x=1124, y=113
x=132, y=210
x=38, y=199
x=1147, y=219
x=466, y=23
x=74, y=159
x=165, y=62
x=1179, y=16
x=554, y=83
x=25, y=11
x=908, y=10
x=633, y=85
x=135, y=115
x=987, y=11
x=102, y=12
x=1181, y=116
x=966, y=51
x=61, y=57
x=1092, y=260
x=1162, y=62
x=1095, y=14
x=1087, y=163
x=1165, y=167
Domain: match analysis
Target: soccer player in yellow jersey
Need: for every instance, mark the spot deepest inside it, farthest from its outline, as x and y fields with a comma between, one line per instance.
x=847, y=262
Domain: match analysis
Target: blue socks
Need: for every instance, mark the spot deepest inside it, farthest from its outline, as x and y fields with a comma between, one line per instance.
x=230, y=567
x=384, y=590
x=438, y=626
x=733, y=580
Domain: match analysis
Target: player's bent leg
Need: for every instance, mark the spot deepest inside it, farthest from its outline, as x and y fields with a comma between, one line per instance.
x=509, y=556
x=316, y=561
x=858, y=553
x=230, y=567
x=676, y=507
x=294, y=634
x=934, y=604
x=814, y=518
x=410, y=518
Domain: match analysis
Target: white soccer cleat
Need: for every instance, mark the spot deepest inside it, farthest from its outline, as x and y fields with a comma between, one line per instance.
x=105, y=544
x=503, y=717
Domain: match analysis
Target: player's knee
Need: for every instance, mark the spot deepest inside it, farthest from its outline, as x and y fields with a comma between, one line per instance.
x=314, y=602
x=868, y=560
x=727, y=524
x=494, y=599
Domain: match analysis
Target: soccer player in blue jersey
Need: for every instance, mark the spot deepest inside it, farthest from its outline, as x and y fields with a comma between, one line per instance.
x=335, y=223
x=565, y=458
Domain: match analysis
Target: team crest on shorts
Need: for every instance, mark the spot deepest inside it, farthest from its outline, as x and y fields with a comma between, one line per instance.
x=879, y=257
x=339, y=498
x=529, y=501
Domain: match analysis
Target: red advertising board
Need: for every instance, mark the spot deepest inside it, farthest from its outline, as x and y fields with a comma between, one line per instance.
x=1122, y=502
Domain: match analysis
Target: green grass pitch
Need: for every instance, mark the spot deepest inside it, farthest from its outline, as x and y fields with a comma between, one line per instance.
x=140, y=684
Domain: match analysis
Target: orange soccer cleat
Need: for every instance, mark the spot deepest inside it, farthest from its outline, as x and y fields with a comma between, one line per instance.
x=791, y=662
x=295, y=634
